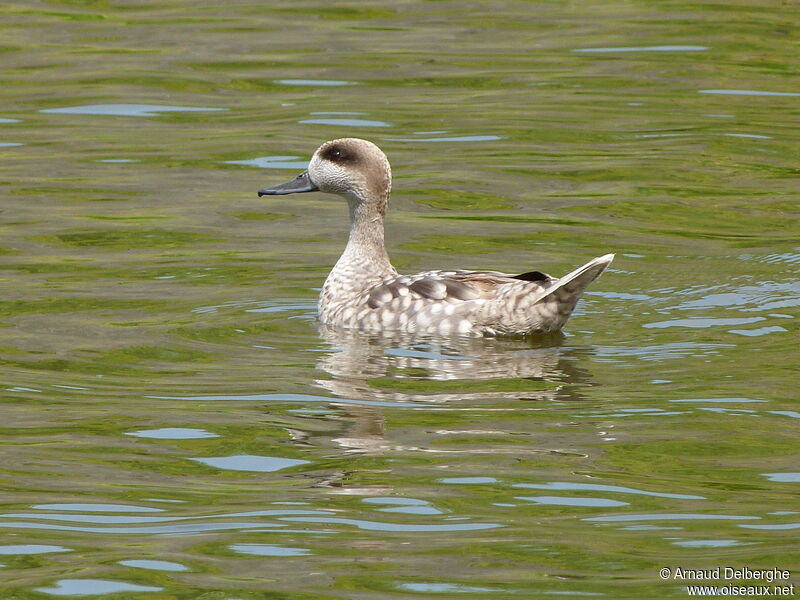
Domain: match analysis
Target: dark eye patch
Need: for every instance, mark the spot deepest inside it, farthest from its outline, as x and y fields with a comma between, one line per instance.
x=339, y=154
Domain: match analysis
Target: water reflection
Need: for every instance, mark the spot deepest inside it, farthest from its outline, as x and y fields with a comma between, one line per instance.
x=315, y=82
x=411, y=506
x=366, y=525
x=358, y=357
x=154, y=565
x=98, y=507
x=708, y=543
x=342, y=120
x=573, y=501
x=23, y=549
x=445, y=588
x=783, y=477
x=702, y=323
x=94, y=587
x=268, y=550
x=561, y=485
x=458, y=138
x=247, y=462
x=671, y=517
x=126, y=110
x=749, y=93
x=173, y=433
x=367, y=371
x=641, y=49
x=272, y=162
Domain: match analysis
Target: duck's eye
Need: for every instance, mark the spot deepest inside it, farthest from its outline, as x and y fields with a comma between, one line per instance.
x=337, y=155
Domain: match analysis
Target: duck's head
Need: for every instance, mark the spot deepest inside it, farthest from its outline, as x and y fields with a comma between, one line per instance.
x=350, y=167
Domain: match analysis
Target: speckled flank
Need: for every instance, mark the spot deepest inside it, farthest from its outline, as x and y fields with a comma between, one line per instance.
x=364, y=290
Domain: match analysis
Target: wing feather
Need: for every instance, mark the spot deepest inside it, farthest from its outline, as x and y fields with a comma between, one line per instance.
x=451, y=286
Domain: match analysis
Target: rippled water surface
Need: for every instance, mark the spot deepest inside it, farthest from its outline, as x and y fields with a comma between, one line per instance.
x=176, y=424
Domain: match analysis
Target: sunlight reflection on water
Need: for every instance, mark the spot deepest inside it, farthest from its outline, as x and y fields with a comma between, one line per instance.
x=642, y=49
x=126, y=110
x=246, y=462
x=94, y=587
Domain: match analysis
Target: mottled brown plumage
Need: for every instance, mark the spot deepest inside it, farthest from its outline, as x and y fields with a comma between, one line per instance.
x=365, y=291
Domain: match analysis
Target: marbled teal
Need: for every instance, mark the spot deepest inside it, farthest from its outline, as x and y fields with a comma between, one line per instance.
x=364, y=291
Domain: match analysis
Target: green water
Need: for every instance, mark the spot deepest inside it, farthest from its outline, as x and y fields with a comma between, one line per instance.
x=176, y=425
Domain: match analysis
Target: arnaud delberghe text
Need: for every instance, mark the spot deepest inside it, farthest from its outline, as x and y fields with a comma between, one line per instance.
x=731, y=573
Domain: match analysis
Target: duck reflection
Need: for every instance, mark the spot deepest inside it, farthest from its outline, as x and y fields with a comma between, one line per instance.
x=383, y=370
x=403, y=368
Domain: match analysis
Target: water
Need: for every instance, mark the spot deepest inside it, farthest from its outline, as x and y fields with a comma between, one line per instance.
x=176, y=424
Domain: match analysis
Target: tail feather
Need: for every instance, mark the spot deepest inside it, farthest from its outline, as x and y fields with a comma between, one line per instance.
x=577, y=281
x=551, y=310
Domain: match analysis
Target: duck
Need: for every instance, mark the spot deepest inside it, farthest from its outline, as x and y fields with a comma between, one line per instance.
x=364, y=291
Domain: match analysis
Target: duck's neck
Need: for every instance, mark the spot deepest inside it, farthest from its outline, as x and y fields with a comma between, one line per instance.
x=364, y=257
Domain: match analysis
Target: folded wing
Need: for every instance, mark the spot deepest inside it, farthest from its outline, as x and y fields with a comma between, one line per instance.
x=452, y=286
